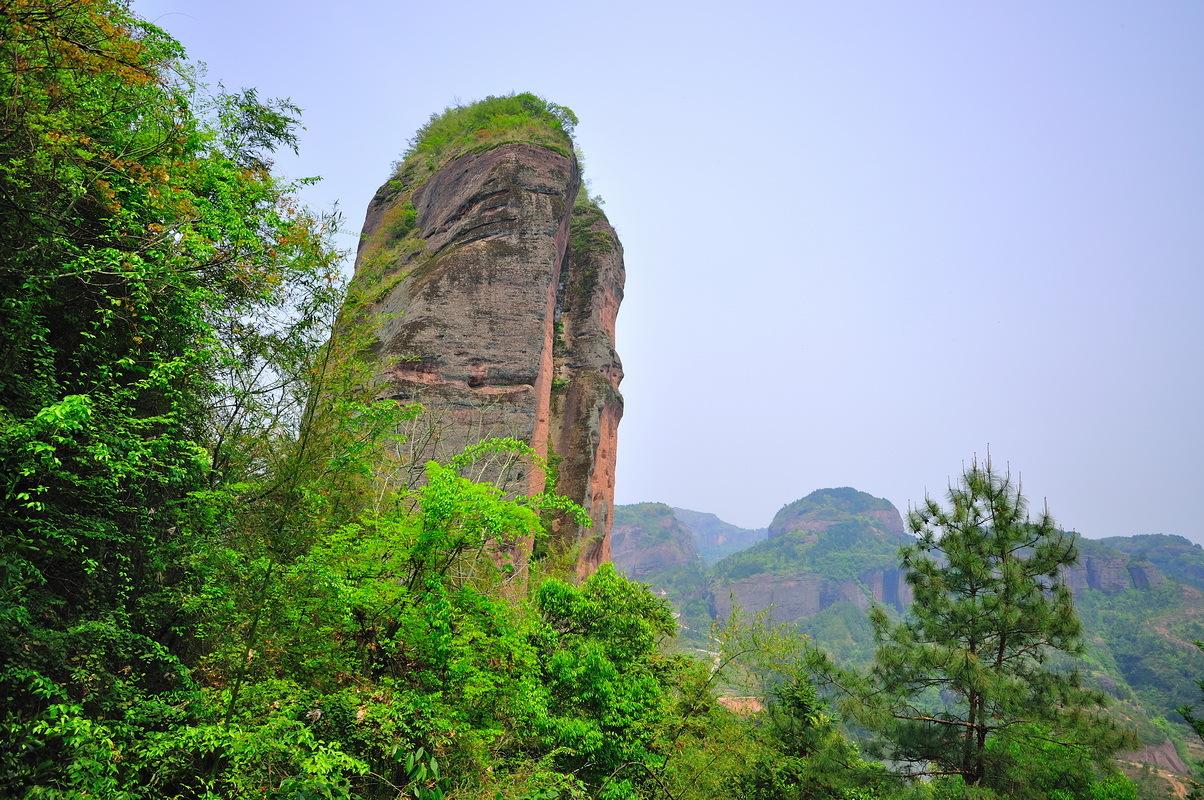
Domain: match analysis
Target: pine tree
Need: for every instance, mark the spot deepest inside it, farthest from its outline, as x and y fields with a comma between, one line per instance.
x=969, y=667
x=1187, y=712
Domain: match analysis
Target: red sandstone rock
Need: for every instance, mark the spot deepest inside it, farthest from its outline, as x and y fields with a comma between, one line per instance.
x=484, y=312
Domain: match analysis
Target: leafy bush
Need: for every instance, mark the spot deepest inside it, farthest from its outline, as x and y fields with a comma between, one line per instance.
x=488, y=123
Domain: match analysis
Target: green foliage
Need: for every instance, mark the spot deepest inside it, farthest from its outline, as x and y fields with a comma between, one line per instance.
x=795, y=747
x=486, y=124
x=151, y=266
x=608, y=687
x=842, y=628
x=585, y=235
x=221, y=575
x=1188, y=712
x=843, y=551
x=843, y=501
x=989, y=608
x=1141, y=644
x=1033, y=763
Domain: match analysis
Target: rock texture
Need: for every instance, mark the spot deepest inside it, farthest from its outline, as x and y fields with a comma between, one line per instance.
x=1110, y=570
x=791, y=597
x=585, y=401
x=1162, y=755
x=1172, y=556
x=493, y=289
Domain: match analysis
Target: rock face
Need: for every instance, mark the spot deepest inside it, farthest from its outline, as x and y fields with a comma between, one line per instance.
x=585, y=401
x=1162, y=755
x=492, y=284
x=1110, y=570
x=1169, y=555
x=793, y=596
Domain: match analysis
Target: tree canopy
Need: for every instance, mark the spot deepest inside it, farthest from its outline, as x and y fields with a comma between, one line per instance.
x=990, y=608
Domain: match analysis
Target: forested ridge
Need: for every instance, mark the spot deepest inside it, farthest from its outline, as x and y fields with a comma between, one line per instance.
x=221, y=577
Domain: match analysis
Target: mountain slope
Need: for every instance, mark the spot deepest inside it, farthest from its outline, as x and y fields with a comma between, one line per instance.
x=649, y=543
x=829, y=555
x=832, y=546
x=1176, y=556
x=716, y=538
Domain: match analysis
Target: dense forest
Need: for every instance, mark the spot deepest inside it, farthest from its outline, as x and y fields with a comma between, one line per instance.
x=210, y=587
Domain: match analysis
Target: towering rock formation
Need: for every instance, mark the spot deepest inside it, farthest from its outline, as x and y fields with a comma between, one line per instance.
x=492, y=283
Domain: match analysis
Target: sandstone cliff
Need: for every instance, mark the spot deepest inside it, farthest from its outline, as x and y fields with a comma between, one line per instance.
x=1174, y=556
x=491, y=284
x=1110, y=570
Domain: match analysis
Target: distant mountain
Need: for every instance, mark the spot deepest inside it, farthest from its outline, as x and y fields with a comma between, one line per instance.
x=827, y=556
x=826, y=507
x=832, y=546
x=716, y=538
x=650, y=544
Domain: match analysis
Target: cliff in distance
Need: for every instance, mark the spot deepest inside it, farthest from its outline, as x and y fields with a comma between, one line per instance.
x=490, y=283
x=832, y=546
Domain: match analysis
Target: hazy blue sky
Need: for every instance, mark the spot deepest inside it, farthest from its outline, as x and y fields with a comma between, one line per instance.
x=863, y=241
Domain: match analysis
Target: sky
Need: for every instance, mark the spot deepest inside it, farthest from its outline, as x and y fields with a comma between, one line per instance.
x=864, y=241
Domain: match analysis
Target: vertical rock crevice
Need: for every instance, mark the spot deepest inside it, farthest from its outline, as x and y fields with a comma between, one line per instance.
x=587, y=405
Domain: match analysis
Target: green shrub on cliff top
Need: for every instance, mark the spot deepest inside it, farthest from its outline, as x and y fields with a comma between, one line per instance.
x=488, y=123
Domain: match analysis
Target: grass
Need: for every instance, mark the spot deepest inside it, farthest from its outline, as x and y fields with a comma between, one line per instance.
x=486, y=124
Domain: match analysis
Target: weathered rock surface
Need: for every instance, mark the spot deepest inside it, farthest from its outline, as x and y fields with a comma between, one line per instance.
x=1161, y=755
x=794, y=596
x=493, y=290
x=1110, y=570
x=1172, y=556
x=585, y=401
